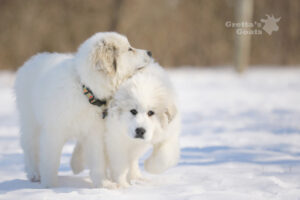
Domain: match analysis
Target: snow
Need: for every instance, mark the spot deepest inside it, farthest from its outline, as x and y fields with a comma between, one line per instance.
x=240, y=140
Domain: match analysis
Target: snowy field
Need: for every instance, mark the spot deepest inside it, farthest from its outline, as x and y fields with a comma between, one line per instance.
x=240, y=140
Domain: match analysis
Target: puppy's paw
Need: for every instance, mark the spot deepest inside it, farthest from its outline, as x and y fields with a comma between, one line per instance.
x=137, y=178
x=109, y=184
x=143, y=179
x=123, y=185
x=140, y=181
x=34, y=177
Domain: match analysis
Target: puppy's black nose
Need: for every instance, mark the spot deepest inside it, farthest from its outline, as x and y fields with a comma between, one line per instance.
x=149, y=53
x=140, y=132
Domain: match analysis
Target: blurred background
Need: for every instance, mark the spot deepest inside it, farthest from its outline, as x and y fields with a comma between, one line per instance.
x=178, y=32
x=240, y=132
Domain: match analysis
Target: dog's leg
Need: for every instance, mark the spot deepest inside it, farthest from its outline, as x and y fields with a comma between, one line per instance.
x=119, y=175
x=96, y=162
x=164, y=155
x=134, y=171
x=30, y=144
x=119, y=165
x=77, y=160
x=51, y=147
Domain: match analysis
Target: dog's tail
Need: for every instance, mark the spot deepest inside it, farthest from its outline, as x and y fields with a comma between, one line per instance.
x=77, y=160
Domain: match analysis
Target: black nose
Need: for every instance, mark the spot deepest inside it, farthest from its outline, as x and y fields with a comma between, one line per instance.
x=140, y=132
x=149, y=53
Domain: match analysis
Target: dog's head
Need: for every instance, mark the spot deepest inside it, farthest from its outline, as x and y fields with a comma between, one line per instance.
x=111, y=53
x=143, y=103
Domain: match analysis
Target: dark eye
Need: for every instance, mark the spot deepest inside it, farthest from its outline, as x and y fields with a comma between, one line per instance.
x=133, y=111
x=150, y=113
x=130, y=49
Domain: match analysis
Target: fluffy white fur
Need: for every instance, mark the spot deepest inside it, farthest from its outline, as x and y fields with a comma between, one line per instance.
x=148, y=91
x=53, y=109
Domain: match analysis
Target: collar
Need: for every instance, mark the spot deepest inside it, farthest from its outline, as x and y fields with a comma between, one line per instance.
x=92, y=99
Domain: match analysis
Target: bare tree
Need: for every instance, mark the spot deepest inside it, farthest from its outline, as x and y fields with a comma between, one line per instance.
x=115, y=18
x=244, y=12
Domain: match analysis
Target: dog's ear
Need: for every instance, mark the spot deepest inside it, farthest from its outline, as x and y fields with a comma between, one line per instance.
x=104, y=57
x=168, y=114
x=164, y=155
x=171, y=112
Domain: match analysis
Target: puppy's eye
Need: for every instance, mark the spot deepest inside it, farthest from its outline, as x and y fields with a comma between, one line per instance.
x=133, y=111
x=130, y=49
x=150, y=113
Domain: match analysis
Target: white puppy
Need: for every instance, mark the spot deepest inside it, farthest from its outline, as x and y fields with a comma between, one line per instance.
x=142, y=113
x=61, y=96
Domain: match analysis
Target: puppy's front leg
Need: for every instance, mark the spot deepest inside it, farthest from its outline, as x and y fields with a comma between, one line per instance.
x=134, y=171
x=119, y=165
x=51, y=147
x=96, y=162
x=119, y=175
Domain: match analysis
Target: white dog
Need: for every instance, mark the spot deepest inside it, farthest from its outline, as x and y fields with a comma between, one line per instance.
x=142, y=112
x=61, y=96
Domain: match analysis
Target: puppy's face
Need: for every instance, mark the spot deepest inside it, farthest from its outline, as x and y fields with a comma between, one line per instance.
x=142, y=107
x=141, y=122
x=114, y=55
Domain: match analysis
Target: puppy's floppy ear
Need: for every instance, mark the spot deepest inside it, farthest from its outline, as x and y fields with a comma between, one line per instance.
x=104, y=57
x=168, y=114
x=165, y=155
x=171, y=111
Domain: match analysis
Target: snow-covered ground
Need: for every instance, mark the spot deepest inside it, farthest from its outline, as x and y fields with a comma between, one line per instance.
x=240, y=140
